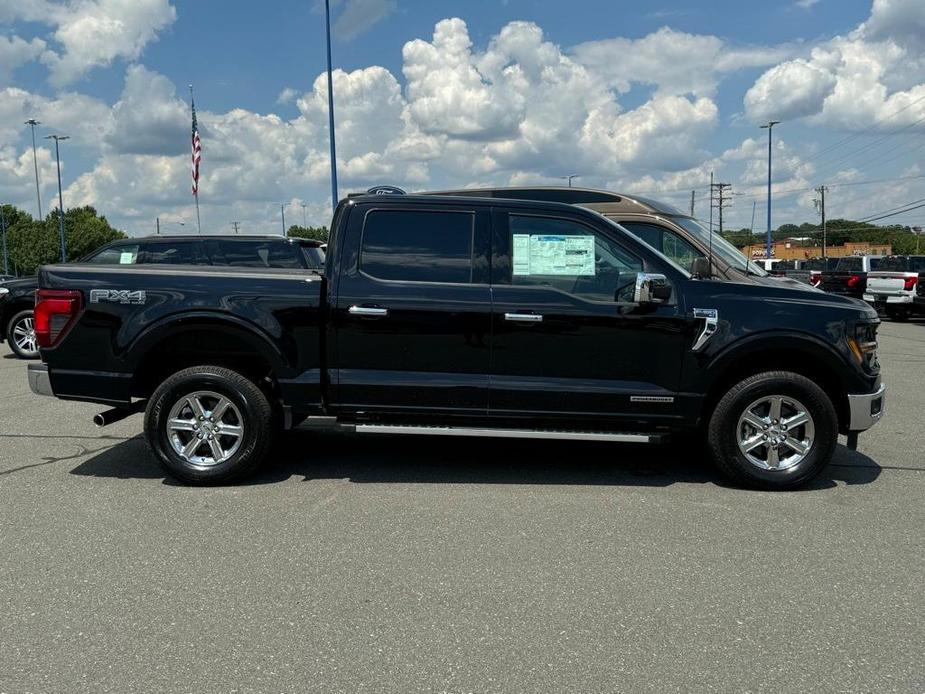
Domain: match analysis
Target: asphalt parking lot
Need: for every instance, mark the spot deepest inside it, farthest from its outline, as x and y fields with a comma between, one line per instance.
x=416, y=565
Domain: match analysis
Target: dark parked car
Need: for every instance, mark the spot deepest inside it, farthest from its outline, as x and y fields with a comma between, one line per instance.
x=464, y=316
x=16, y=304
x=849, y=278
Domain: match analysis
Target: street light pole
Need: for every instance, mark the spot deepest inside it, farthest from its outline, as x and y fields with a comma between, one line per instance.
x=304, y=217
x=58, y=139
x=35, y=163
x=569, y=178
x=327, y=21
x=770, y=127
x=282, y=214
x=6, y=259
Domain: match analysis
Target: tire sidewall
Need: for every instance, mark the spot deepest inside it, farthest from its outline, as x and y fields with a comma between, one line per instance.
x=824, y=420
x=175, y=389
x=19, y=317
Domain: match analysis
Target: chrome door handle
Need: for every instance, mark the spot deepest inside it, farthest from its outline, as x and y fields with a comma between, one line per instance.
x=524, y=317
x=368, y=311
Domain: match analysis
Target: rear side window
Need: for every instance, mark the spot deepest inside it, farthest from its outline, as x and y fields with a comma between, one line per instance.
x=116, y=255
x=917, y=263
x=896, y=263
x=417, y=246
x=171, y=253
x=269, y=254
x=850, y=263
x=666, y=241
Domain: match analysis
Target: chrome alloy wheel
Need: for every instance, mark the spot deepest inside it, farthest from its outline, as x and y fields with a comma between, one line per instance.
x=24, y=336
x=775, y=432
x=205, y=428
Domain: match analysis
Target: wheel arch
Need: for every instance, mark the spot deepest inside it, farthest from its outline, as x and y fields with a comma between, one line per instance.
x=192, y=339
x=801, y=354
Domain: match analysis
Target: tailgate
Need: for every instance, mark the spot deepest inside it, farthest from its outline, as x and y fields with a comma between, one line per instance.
x=886, y=283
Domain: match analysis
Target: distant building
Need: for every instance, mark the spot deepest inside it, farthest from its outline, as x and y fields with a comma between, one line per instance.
x=799, y=249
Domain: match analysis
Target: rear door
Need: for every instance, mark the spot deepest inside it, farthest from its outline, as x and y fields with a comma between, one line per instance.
x=568, y=343
x=411, y=319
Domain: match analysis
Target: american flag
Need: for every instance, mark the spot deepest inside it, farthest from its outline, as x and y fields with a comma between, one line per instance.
x=197, y=151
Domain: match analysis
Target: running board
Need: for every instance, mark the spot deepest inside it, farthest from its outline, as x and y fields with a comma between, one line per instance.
x=510, y=433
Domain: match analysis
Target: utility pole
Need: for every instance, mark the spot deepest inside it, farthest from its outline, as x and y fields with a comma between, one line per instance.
x=720, y=200
x=58, y=139
x=770, y=127
x=235, y=226
x=157, y=226
x=693, y=192
x=6, y=258
x=282, y=214
x=35, y=164
x=820, y=204
x=304, y=218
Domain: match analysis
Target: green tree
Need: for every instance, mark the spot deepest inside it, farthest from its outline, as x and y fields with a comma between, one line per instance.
x=32, y=242
x=317, y=233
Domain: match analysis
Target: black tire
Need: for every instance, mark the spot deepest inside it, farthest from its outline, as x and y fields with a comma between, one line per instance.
x=723, y=431
x=21, y=321
x=252, y=407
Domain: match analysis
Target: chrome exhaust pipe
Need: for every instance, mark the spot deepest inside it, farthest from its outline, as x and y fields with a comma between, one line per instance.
x=117, y=414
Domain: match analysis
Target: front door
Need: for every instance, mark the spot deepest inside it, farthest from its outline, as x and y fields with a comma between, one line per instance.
x=568, y=341
x=412, y=318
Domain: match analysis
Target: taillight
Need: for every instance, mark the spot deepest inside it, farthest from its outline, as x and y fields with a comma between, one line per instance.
x=55, y=312
x=910, y=283
x=853, y=280
x=815, y=278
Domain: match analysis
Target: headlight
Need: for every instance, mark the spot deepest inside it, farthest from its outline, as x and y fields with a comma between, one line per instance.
x=863, y=345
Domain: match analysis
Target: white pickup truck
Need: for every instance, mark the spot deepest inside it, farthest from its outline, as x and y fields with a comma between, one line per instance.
x=892, y=287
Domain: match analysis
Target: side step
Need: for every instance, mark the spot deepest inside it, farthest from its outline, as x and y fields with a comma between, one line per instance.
x=510, y=433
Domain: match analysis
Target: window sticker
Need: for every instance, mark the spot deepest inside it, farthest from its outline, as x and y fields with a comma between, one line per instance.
x=127, y=258
x=545, y=254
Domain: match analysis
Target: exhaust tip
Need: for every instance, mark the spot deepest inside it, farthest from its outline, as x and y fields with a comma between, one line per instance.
x=99, y=420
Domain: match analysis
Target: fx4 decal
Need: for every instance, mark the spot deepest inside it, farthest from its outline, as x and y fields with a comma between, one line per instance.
x=117, y=296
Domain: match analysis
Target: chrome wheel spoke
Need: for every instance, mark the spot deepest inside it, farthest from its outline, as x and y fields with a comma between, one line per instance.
x=748, y=445
x=776, y=405
x=755, y=421
x=191, y=447
x=181, y=424
x=231, y=430
x=196, y=406
x=773, y=457
x=218, y=455
x=796, y=445
x=220, y=409
x=796, y=420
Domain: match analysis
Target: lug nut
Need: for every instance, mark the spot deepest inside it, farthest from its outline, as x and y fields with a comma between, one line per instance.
x=210, y=437
x=201, y=418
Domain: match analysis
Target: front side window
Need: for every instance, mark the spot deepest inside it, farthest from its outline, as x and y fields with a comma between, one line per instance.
x=116, y=255
x=570, y=257
x=417, y=246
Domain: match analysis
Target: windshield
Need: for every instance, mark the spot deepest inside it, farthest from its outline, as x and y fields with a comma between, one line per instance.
x=721, y=247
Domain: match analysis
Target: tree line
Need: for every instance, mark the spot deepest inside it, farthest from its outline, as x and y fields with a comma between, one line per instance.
x=838, y=232
x=33, y=242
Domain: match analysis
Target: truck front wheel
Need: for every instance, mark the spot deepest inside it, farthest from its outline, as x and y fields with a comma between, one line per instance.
x=209, y=425
x=774, y=430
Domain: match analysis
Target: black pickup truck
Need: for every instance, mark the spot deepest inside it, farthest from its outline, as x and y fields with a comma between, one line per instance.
x=443, y=315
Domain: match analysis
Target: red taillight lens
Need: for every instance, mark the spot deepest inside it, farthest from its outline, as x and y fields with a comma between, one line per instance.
x=853, y=280
x=910, y=283
x=55, y=313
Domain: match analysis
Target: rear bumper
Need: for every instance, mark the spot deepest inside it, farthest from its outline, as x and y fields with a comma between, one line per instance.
x=866, y=409
x=39, y=382
x=889, y=298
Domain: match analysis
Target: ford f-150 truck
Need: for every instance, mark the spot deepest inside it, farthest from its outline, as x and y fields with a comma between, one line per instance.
x=445, y=315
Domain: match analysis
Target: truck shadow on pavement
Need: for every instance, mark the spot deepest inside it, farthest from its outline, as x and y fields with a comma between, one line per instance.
x=443, y=460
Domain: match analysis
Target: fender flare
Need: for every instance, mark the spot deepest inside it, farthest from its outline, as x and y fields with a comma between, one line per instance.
x=169, y=327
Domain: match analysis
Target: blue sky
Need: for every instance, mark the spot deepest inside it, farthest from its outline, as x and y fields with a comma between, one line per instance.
x=519, y=91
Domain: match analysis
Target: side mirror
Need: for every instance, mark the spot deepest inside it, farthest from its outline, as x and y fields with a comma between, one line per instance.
x=651, y=288
x=700, y=268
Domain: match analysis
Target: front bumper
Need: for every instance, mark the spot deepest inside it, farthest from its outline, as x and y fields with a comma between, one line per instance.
x=39, y=382
x=866, y=409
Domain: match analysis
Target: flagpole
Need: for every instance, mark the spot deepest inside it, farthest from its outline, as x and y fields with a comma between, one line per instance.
x=196, y=181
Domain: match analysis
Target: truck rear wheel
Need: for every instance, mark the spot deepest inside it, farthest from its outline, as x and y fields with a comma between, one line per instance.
x=209, y=425
x=774, y=430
